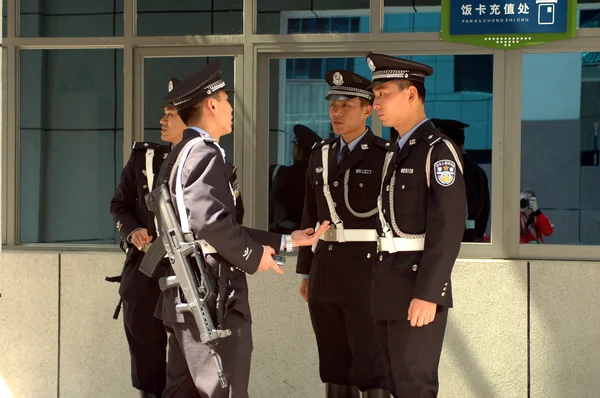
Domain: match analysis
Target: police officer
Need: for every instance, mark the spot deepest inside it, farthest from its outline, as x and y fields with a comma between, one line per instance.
x=207, y=205
x=286, y=194
x=342, y=185
x=146, y=336
x=476, y=182
x=421, y=223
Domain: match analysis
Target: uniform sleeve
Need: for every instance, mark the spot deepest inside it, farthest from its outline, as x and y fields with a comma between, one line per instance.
x=206, y=194
x=122, y=205
x=265, y=238
x=543, y=224
x=446, y=213
x=309, y=218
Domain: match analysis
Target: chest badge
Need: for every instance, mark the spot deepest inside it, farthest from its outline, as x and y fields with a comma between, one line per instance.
x=319, y=170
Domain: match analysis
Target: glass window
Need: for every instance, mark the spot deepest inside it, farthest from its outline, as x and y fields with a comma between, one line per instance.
x=71, y=144
x=189, y=17
x=71, y=18
x=589, y=13
x=457, y=90
x=158, y=72
x=401, y=16
x=301, y=16
x=560, y=149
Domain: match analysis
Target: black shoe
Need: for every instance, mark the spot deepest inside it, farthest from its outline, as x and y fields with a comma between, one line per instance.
x=341, y=391
x=377, y=393
x=144, y=394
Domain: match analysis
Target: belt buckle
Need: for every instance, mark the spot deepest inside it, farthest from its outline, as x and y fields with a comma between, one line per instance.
x=331, y=235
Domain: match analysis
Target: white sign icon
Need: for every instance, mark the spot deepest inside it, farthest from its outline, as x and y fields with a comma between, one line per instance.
x=546, y=10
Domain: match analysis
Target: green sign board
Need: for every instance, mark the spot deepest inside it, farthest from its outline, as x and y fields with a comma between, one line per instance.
x=508, y=25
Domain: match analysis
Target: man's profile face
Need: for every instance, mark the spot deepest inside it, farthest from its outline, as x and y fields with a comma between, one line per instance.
x=171, y=125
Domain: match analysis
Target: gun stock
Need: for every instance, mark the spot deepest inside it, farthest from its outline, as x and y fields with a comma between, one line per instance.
x=191, y=274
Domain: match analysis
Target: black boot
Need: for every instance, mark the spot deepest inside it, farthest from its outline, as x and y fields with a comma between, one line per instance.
x=341, y=391
x=144, y=394
x=377, y=393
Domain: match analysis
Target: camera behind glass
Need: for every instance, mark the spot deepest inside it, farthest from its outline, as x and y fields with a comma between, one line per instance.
x=524, y=203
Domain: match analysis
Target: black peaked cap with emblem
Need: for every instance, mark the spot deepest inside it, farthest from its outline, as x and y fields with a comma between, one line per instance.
x=170, y=86
x=197, y=87
x=346, y=85
x=385, y=68
x=305, y=136
x=454, y=129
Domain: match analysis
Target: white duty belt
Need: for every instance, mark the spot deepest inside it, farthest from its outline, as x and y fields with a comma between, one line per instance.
x=349, y=235
x=393, y=245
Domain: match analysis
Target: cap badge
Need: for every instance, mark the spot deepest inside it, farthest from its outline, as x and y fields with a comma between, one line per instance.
x=170, y=85
x=371, y=64
x=338, y=79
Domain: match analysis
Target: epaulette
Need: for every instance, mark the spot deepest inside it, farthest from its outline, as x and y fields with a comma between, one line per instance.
x=319, y=144
x=383, y=143
x=433, y=136
x=146, y=145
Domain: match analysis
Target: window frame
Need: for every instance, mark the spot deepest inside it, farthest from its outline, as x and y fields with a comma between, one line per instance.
x=252, y=53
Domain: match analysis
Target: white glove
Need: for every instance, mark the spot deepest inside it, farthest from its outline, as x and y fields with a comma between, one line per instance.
x=533, y=204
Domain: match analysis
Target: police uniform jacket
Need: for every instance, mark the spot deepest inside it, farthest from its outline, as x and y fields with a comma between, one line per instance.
x=413, y=209
x=478, y=198
x=208, y=195
x=129, y=212
x=341, y=272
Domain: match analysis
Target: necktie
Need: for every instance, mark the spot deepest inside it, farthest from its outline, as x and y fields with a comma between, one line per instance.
x=344, y=154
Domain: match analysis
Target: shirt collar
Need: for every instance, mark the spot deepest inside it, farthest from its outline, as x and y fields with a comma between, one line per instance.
x=206, y=135
x=406, y=136
x=352, y=144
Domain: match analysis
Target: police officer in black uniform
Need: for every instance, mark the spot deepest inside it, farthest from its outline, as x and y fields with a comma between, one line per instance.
x=146, y=336
x=342, y=185
x=476, y=181
x=286, y=191
x=421, y=223
x=206, y=205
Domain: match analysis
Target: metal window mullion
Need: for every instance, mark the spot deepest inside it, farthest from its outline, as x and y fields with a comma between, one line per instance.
x=3, y=139
x=12, y=159
x=245, y=144
x=238, y=120
x=512, y=155
x=131, y=103
x=376, y=16
x=68, y=43
x=499, y=111
x=12, y=20
x=190, y=40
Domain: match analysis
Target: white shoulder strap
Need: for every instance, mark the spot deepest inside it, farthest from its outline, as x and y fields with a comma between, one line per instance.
x=384, y=224
x=428, y=162
x=183, y=218
x=149, y=168
x=275, y=170
x=326, y=191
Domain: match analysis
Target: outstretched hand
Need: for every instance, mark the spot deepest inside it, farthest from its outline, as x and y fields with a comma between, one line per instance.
x=308, y=237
